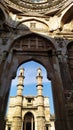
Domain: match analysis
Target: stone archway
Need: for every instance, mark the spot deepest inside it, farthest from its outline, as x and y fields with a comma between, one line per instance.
x=29, y=123
x=40, y=49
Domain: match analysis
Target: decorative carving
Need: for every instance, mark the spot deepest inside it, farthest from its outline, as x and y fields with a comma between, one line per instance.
x=31, y=6
x=60, y=42
x=33, y=42
x=4, y=40
x=70, y=113
x=70, y=58
x=4, y=55
x=67, y=94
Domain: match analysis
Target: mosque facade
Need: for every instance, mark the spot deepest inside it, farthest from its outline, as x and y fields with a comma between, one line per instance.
x=29, y=112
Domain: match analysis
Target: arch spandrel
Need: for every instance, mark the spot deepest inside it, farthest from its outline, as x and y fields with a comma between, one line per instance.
x=33, y=41
x=20, y=41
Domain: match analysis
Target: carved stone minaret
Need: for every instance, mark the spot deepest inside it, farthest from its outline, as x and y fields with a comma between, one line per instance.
x=40, y=102
x=17, y=118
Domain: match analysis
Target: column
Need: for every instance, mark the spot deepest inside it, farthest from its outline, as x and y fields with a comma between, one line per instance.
x=17, y=119
x=58, y=94
x=65, y=74
x=40, y=100
x=32, y=123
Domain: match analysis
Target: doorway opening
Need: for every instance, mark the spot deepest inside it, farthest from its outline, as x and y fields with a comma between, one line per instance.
x=30, y=72
x=29, y=123
x=30, y=89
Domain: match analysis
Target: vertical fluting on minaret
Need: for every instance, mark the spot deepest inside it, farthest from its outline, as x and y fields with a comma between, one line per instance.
x=40, y=101
x=17, y=118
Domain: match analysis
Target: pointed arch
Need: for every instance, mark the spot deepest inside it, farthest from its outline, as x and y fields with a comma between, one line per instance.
x=29, y=122
x=34, y=46
x=28, y=36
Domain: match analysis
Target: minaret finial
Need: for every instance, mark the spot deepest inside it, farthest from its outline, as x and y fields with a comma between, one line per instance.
x=39, y=76
x=39, y=81
x=21, y=77
x=21, y=71
x=39, y=72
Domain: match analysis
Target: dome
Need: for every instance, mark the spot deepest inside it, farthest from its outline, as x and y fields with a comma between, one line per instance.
x=40, y=6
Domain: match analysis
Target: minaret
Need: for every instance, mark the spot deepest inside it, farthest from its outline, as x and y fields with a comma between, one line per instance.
x=17, y=118
x=40, y=102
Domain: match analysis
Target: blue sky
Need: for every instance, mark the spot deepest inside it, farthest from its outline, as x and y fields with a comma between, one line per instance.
x=30, y=82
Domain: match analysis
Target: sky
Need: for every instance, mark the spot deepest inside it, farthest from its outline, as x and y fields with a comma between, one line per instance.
x=30, y=82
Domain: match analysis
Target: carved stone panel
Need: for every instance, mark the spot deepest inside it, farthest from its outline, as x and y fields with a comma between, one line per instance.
x=70, y=58
x=33, y=42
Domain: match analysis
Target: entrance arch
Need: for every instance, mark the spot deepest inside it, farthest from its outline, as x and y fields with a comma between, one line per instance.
x=29, y=123
x=32, y=47
x=40, y=49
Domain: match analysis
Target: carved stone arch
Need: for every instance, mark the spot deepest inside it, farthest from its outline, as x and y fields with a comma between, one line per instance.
x=70, y=57
x=34, y=47
x=39, y=48
x=29, y=121
x=16, y=41
x=29, y=111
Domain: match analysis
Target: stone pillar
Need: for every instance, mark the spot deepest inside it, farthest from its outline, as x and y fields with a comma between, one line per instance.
x=49, y=127
x=32, y=123
x=6, y=127
x=58, y=94
x=3, y=101
x=40, y=99
x=17, y=119
x=67, y=82
x=65, y=74
x=5, y=83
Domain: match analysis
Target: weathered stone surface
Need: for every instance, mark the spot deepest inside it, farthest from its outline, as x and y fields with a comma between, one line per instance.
x=43, y=34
